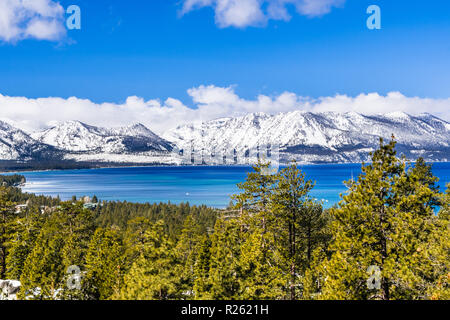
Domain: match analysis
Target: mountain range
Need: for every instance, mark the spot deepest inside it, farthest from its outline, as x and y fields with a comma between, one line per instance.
x=75, y=136
x=326, y=137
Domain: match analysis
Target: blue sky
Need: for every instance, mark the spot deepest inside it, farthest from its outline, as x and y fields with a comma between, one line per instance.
x=147, y=49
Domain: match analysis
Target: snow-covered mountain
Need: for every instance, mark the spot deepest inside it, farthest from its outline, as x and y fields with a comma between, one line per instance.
x=15, y=144
x=319, y=137
x=304, y=136
x=77, y=137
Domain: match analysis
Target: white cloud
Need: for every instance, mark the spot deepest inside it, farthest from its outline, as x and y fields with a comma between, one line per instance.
x=211, y=102
x=315, y=7
x=243, y=13
x=39, y=19
x=374, y=103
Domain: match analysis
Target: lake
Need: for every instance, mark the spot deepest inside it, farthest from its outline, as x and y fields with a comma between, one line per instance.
x=211, y=186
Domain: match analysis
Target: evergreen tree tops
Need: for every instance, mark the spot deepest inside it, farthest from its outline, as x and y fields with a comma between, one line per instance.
x=384, y=233
x=12, y=180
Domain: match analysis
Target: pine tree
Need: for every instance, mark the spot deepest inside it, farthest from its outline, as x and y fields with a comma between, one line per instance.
x=292, y=217
x=190, y=238
x=420, y=174
x=261, y=276
x=78, y=229
x=153, y=276
x=445, y=209
x=43, y=270
x=256, y=194
x=224, y=262
x=202, y=283
x=380, y=233
x=22, y=242
x=7, y=217
x=277, y=214
x=255, y=274
x=61, y=242
x=438, y=251
x=135, y=238
x=104, y=265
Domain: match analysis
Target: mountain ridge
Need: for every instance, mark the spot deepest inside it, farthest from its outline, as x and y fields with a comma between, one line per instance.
x=320, y=137
x=307, y=137
x=76, y=136
x=16, y=144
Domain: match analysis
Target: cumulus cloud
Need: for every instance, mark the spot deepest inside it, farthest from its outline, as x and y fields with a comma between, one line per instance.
x=374, y=103
x=211, y=102
x=39, y=19
x=243, y=13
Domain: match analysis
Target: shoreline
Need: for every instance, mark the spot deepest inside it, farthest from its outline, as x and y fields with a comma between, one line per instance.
x=170, y=166
x=125, y=166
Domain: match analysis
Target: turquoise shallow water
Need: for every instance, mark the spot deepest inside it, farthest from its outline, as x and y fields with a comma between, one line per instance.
x=211, y=186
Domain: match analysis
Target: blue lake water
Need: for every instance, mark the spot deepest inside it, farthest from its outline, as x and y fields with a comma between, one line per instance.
x=211, y=186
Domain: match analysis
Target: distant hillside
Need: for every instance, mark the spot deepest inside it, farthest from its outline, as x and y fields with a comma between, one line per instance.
x=320, y=137
x=326, y=137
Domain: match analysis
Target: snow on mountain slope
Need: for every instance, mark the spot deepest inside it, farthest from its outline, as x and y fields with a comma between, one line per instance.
x=15, y=144
x=319, y=137
x=75, y=136
x=140, y=138
x=304, y=136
